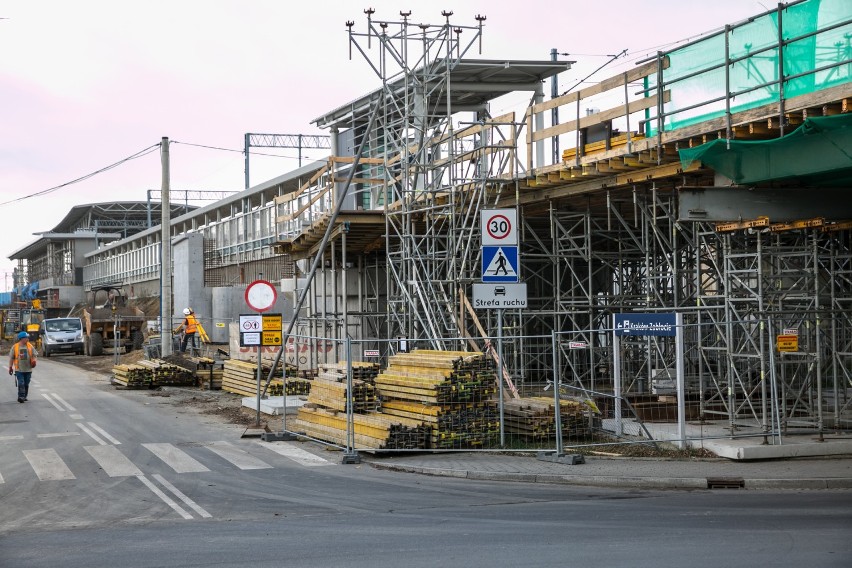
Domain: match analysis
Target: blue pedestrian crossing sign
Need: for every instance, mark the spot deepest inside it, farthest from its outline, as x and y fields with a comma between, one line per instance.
x=500, y=264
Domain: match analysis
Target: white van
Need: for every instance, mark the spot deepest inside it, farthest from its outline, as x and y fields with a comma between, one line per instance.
x=62, y=335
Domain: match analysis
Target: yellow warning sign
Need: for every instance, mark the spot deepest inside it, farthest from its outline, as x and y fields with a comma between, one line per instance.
x=271, y=338
x=787, y=342
x=272, y=322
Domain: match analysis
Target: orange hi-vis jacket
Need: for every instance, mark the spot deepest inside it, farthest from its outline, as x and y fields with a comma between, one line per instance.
x=190, y=324
x=16, y=353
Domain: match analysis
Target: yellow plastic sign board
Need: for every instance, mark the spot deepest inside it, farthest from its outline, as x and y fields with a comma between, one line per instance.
x=787, y=342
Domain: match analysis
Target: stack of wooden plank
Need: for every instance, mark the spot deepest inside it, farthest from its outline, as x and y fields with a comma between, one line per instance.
x=151, y=373
x=240, y=377
x=362, y=371
x=208, y=372
x=332, y=394
x=296, y=386
x=448, y=390
x=131, y=376
x=534, y=418
x=374, y=430
x=164, y=373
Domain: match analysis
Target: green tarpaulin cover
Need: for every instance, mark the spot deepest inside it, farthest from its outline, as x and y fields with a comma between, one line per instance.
x=819, y=152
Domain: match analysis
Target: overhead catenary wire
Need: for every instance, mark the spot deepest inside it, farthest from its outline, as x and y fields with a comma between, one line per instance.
x=138, y=154
x=237, y=151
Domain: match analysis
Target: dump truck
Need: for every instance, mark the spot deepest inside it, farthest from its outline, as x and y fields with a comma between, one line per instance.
x=109, y=322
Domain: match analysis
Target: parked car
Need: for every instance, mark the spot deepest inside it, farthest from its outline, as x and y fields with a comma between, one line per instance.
x=62, y=335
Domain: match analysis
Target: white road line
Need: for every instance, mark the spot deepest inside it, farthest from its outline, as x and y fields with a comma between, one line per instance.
x=65, y=404
x=236, y=456
x=195, y=506
x=298, y=455
x=47, y=465
x=112, y=461
x=53, y=402
x=104, y=434
x=75, y=416
x=176, y=458
x=1, y=479
x=166, y=499
x=5, y=438
x=57, y=435
x=94, y=436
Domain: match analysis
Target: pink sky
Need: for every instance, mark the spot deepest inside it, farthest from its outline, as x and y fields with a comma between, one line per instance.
x=86, y=84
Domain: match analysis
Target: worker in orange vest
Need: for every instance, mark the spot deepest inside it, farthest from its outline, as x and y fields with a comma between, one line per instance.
x=22, y=361
x=190, y=328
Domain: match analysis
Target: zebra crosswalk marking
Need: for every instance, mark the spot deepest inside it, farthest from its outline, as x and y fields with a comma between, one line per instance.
x=47, y=464
x=176, y=458
x=298, y=455
x=112, y=461
x=236, y=456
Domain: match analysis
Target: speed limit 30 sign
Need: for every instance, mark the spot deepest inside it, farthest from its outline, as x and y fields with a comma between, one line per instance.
x=499, y=227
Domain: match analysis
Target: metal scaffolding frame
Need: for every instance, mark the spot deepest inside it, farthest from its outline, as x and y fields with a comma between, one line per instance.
x=434, y=174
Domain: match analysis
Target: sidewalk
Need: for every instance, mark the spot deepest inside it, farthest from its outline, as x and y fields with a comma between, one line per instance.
x=649, y=473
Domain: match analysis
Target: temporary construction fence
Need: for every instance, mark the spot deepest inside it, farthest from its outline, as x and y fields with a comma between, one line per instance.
x=384, y=395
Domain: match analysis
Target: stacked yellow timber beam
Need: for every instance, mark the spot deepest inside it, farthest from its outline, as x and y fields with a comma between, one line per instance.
x=240, y=377
x=447, y=390
x=361, y=371
x=330, y=394
x=534, y=418
x=153, y=373
x=374, y=431
x=131, y=376
x=296, y=386
x=164, y=373
x=207, y=372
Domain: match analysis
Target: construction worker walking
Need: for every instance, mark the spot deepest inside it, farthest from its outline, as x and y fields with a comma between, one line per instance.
x=189, y=327
x=22, y=361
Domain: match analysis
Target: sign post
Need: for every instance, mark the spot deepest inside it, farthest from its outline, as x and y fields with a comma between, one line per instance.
x=643, y=325
x=500, y=264
x=260, y=296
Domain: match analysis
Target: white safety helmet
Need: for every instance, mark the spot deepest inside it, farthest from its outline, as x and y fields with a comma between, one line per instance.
x=187, y=311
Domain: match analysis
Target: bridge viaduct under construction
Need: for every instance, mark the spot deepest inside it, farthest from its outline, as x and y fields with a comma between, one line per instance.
x=711, y=181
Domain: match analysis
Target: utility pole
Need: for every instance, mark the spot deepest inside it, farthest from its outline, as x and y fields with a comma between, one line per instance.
x=166, y=308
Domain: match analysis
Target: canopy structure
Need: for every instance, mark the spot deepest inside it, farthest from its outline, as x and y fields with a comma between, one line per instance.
x=819, y=152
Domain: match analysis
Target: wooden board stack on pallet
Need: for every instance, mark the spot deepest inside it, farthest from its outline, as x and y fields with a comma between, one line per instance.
x=374, y=430
x=240, y=377
x=533, y=418
x=448, y=390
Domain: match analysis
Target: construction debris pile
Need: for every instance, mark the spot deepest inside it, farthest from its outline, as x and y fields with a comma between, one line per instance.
x=151, y=374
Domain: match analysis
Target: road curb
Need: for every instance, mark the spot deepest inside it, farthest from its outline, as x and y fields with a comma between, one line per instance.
x=617, y=482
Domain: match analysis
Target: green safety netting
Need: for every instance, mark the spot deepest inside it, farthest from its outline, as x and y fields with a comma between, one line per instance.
x=814, y=47
x=819, y=152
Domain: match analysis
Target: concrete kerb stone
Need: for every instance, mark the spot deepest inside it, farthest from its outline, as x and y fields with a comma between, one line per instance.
x=687, y=483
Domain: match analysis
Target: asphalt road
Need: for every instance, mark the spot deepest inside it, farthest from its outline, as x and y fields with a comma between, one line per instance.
x=97, y=477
